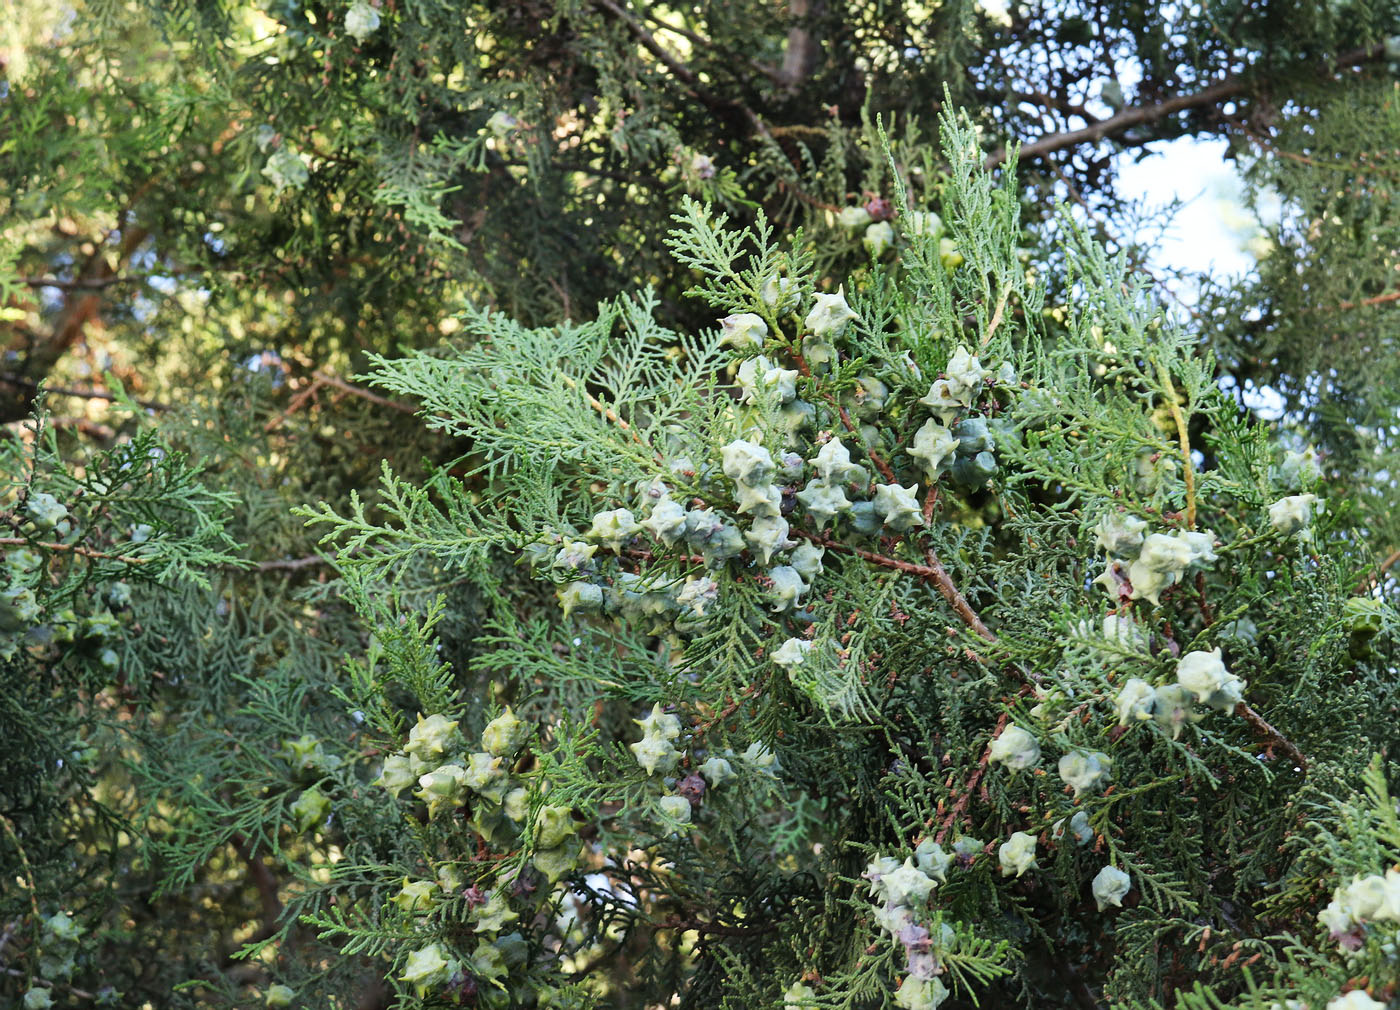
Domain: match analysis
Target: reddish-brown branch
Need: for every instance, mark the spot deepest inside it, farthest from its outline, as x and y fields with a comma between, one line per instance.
x=364, y=394
x=1275, y=738
x=320, y=379
x=298, y=401
x=933, y=573
x=1207, y=615
x=1389, y=296
x=78, y=310
x=970, y=786
x=944, y=584
x=86, y=552
x=806, y=370
x=1385, y=566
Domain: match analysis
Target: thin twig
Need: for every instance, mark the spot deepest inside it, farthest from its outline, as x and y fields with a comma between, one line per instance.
x=81, y=284
x=80, y=993
x=885, y=470
x=364, y=394
x=996, y=315
x=320, y=379
x=970, y=786
x=933, y=573
x=1389, y=296
x=86, y=552
x=1371, y=581
x=99, y=283
x=676, y=922
x=1122, y=121
x=28, y=869
x=611, y=416
x=298, y=401
x=292, y=564
x=934, y=570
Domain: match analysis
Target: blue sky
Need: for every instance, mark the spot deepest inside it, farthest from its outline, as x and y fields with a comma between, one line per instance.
x=1211, y=231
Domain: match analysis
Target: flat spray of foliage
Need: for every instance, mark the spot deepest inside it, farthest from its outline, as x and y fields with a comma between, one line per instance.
x=904, y=642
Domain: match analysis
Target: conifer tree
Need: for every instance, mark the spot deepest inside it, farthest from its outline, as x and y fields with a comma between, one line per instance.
x=880, y=598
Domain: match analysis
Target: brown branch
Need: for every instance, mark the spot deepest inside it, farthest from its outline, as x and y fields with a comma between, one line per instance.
x=267, y=887
x=85, y=394
x=675, y=922
x=1275, y=738
x=86, y=552
x=610, y=415
x=320, y=379
x=1232, y=86
x=648, y=42
x=1207, y=615
x=32, y=886
x=291, y=564
x=298, y=401
x=81, y=284
x=45, y=352
x=1389, y=296
x=944, y=584
x=784, y=186
x=970, y=786
x=1368, y=583
x=101, y=283
x=933, y=573
x=362, y=393
x=1122, y=121
x=80, y=993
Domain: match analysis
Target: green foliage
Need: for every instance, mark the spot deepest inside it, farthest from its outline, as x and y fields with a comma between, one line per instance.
x=736, y=642
x=917, y=644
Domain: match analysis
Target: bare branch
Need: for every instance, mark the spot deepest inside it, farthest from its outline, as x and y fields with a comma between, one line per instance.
x=1123, y=121
x=1232, y=86
x=78, y=549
